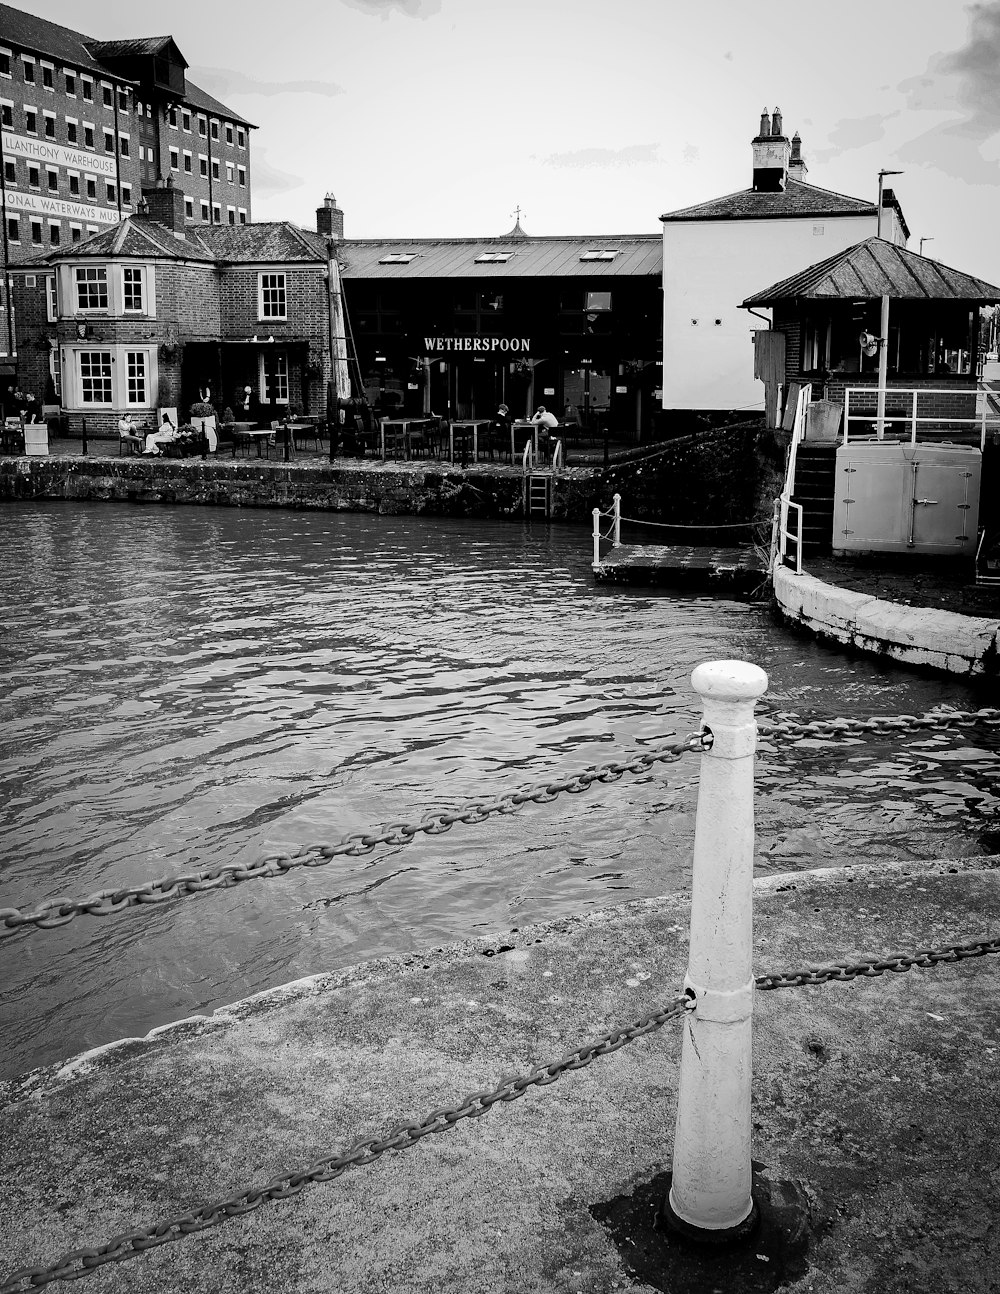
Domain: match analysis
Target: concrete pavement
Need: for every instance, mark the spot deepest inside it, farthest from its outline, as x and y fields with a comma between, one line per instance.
x=879, y=1099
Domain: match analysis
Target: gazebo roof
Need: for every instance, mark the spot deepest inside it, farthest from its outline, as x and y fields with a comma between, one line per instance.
x=873, y=269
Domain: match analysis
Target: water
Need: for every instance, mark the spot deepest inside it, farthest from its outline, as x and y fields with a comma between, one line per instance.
x=186, y=687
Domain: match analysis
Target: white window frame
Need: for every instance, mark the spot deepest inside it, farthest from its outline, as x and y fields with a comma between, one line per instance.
x=8, y=76
x=280, y=360
x=118, y=385
x=51, y=298
x=126, y=272
x=70, y=72
x=264, y=288
x=47, y=116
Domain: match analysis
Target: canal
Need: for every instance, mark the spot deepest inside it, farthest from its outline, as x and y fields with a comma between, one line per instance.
x=190, y=686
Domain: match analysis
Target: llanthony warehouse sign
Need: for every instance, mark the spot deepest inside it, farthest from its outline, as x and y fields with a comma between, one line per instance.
x=479, y=344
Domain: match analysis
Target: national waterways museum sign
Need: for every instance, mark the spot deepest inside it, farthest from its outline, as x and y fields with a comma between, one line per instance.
x=482, y=345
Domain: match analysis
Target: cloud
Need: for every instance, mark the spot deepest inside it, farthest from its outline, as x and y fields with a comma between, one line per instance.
x=632, y=155
x=224, y=81
x=268, y=179
x=383, y=8
x=965, y=78
x=851, y=132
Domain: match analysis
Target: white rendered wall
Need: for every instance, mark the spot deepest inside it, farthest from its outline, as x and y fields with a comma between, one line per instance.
x=709, y=267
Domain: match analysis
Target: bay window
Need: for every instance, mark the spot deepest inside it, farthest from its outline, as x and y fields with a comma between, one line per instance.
x=110, y=377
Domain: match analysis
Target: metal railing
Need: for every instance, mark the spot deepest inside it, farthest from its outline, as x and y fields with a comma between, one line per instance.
x=614, y=530
x=783, y=536
x=898, y=409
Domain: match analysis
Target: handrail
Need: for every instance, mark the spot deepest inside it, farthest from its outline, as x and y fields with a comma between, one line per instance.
x=614, y=531
x=557, y=457
x=780, y=557
x=911, y=419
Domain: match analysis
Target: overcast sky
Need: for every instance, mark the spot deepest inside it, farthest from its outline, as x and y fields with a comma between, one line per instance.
x=440, y=117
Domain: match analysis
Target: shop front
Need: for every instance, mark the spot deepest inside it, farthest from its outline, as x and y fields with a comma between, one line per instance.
x=539, y=326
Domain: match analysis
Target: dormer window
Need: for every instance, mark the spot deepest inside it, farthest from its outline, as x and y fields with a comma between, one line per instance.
x=493, y=258
x=599, y=254
x=398, y=258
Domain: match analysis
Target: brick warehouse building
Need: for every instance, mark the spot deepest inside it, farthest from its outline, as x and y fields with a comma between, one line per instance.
x=147, y=314
x=88, y=123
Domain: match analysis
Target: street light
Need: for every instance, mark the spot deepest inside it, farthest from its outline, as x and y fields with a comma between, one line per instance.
x=925, y=240
x=881, y=178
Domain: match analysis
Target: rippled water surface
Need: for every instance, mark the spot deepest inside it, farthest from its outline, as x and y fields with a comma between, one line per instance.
x=186, y=687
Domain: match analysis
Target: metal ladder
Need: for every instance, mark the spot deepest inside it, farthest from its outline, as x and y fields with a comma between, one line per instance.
x=538, y=494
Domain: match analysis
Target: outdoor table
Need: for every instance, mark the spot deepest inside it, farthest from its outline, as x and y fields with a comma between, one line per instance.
x=464, y=426
x=259, y=435
x=522, y=426
x=399, y=430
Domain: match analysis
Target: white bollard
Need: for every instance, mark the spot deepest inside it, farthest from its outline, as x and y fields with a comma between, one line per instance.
x=710, y=1191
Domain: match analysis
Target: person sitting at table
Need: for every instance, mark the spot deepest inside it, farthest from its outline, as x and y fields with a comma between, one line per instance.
x=127, y=431
x=545, y=423
x=166, y=433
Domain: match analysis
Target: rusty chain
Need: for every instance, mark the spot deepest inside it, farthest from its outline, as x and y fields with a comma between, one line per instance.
x=792, y=725
x=869, y=968
x=57, y=912
x=83, y=1261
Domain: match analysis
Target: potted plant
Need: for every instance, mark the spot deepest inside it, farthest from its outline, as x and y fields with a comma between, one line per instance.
x=203, y=418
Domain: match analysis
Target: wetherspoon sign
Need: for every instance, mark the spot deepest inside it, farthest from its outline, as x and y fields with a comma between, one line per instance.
x=478, y=345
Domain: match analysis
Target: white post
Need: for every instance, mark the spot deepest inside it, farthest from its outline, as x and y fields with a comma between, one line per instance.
x=616, y=503
x=597, y=535
x=883, y=363
x=711, y=1181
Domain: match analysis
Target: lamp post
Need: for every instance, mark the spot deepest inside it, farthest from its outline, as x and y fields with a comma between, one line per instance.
x=925, y=240
x=881, y=179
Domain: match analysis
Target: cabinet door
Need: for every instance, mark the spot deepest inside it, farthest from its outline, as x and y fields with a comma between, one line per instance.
x=943, y=506
x=869, y=507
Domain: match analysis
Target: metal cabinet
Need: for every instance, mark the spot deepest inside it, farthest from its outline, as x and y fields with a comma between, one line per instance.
x=893, y=497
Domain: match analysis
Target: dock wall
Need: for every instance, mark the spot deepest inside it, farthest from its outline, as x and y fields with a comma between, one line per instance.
x=379, y=488
x=957, y=644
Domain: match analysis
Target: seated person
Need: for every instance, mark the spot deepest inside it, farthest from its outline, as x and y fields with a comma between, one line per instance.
x=546, y=423
x=166, y=433
x=127, y=430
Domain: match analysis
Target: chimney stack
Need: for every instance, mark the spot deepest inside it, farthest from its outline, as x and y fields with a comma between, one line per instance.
x=771, y=155
x=165, y=204
x=330, y=219
x=797, y=168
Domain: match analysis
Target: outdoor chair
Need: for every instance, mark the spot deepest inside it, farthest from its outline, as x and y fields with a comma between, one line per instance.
x=308, y=431
x=130, y=442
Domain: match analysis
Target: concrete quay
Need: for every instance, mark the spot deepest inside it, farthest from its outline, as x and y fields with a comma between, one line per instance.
x=935, y=637
x=877, y=1098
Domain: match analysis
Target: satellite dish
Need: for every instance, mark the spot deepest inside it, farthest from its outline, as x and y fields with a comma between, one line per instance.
x=868, y=344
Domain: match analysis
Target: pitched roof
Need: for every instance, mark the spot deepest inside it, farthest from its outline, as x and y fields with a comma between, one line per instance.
x=277, y=241
x=26, y=31
x=797, y=199
x=876, y=268
x=132, y=46
x=635, y=255
x=135, y=236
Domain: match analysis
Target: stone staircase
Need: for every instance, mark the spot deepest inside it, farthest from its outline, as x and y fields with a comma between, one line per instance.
x=815, y=480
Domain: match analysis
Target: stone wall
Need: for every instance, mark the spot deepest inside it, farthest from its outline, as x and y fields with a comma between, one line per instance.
x=430, y=491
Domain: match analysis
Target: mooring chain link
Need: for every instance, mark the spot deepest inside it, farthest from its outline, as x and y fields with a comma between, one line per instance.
x=792, y=725
x=57, y=912
x=83, y=1261
x=871, y=967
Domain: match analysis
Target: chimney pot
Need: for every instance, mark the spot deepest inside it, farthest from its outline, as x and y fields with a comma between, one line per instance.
x=776, y=123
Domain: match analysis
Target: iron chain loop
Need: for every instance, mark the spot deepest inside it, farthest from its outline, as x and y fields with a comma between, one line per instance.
x=869, y=968
x=792, y=725
x=81, y=1262
x=58, y=912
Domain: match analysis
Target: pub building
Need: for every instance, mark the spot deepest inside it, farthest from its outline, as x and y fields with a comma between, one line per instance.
x=455, y=326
